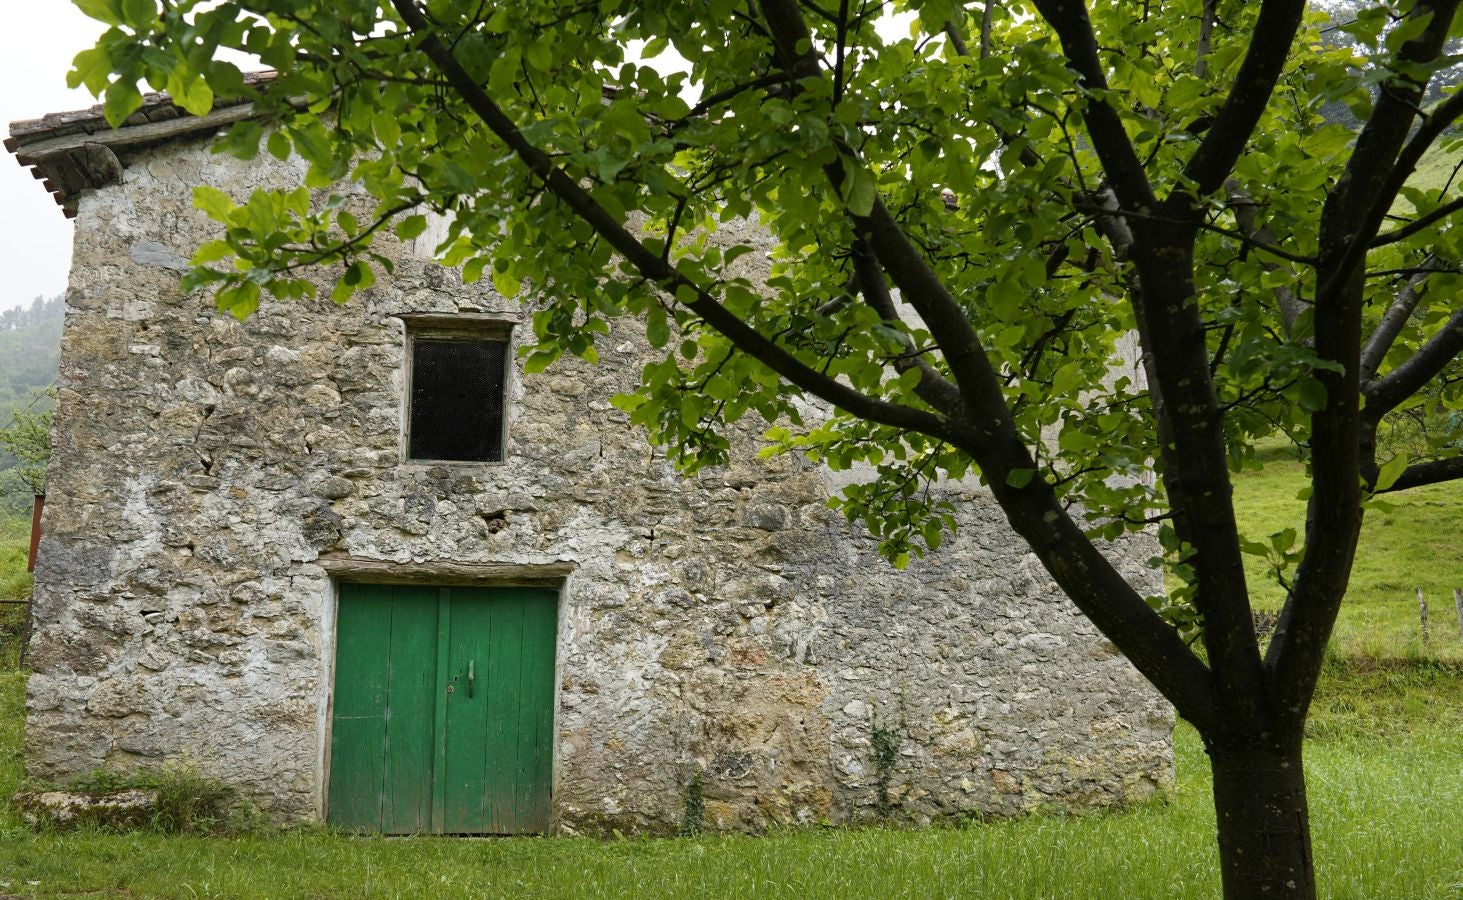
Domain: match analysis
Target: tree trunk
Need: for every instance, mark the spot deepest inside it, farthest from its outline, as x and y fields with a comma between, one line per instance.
x=1263, y=821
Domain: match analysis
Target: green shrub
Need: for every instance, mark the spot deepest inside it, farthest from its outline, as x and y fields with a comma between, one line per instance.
x=190, y=803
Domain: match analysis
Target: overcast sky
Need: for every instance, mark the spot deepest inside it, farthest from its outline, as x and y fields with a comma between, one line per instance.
x=36, y=45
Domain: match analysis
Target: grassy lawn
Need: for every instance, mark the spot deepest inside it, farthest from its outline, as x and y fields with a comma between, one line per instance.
x=1386, y=769
x=1433, y=171
x=14, y=585
x=1417, y=543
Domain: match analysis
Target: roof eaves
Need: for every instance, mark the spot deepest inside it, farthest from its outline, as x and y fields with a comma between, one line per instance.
x=73, y=151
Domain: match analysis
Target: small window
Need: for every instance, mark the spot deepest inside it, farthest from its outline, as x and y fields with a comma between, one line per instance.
x=455, y=407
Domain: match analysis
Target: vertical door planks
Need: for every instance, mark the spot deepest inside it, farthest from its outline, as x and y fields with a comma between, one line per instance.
x=443, y=712
x=359, y=719
x=466, y=747
x=410, y=717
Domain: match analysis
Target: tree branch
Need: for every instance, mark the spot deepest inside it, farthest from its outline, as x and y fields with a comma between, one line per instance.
x=1380, y=165
x=1236, y=120
x=1435, y=471
x=933, y=388
x=1393, y=320
x=1027, y=155
x=1417, y=224
x=1350, y=218
x=1206, y=39
x=1244, y=208
x=1109, y=138
x=1087, y=577
x=1191, y=427
x=1386, y=393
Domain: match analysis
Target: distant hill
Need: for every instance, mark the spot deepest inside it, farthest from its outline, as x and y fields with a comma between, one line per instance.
x=30, y=347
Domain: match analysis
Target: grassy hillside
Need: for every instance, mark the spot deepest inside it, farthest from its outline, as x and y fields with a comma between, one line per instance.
x=1417, y=542
x=1434, y=170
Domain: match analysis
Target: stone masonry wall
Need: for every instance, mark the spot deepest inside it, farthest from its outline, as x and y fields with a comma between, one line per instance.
x=729, y=625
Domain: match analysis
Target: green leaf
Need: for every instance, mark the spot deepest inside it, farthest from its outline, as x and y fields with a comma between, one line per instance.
x=411, y=227
x=218, y=205
x=472, y=270
x=657, y=331
x=197, y=278
x=239, y=300
x=537, y=362
x=1311, y=395
x=1254, y=548
x=1391, y=470
x=123, y=99
x=932, y=533
x=195, y=96
x=1186, y=91
x=90, y=68
x=108, y=11
x=1283, y=540
x=1020, y=478
x=507, y=284
x=279, y=145
x=861, y=190
x=140, y=15
x=211, y=251
x=539, y=55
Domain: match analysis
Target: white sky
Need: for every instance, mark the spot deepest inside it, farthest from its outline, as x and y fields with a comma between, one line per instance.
x=37, y=42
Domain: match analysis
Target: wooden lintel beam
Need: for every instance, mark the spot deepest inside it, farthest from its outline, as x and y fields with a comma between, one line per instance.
x=31, y=154
x=344, y=567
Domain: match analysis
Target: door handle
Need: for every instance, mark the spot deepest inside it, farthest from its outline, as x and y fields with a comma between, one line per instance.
x=471, y=677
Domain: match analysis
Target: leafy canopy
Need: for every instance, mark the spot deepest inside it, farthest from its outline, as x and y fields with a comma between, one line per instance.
x=970, y=133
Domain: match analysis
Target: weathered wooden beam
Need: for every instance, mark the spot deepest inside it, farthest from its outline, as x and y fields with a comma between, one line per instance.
x=344, y=567
x=30, y=154
x=98, y=164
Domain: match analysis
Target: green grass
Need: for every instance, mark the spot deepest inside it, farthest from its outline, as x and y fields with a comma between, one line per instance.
x=15, y=584
x=1418, y=542
x=1384, y=801
x=14, y=548
x=1433, y=171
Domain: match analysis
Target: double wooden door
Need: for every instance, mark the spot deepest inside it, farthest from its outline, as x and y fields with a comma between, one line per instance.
x=443, y=709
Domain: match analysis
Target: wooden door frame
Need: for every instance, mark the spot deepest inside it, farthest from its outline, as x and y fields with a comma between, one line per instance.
x=344, y=569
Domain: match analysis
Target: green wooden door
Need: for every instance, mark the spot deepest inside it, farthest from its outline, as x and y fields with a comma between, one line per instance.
x=443, y=709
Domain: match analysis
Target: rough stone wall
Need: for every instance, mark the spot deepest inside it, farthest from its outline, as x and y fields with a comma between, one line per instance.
x=729, y=625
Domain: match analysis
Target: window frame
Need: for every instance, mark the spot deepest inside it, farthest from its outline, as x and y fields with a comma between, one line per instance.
x=463, y=327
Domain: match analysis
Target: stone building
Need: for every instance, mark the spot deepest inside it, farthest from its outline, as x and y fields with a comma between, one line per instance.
x=353, y=561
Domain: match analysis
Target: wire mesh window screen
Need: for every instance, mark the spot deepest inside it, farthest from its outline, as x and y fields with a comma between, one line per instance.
x=457, y=400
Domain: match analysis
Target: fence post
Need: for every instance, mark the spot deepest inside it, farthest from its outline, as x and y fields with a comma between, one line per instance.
x=1458, y=602
x=25, y=631
x=35, y=530
x=1422, y=616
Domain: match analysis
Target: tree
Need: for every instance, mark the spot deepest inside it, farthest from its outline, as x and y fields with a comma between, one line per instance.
x=27, y=438
x=967, y=219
